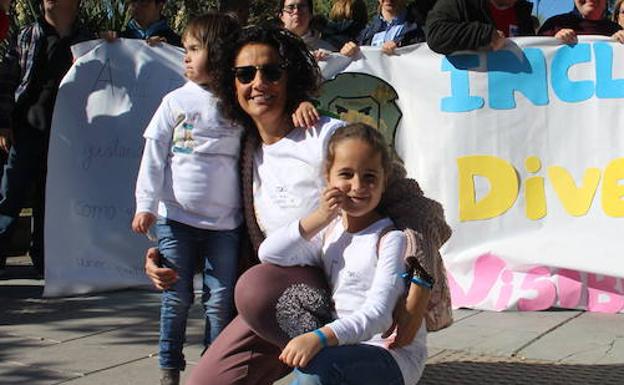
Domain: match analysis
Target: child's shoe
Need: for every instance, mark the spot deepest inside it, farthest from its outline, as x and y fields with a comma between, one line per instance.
x=169, y=377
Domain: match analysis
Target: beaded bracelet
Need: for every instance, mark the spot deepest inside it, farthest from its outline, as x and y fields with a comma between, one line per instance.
x=321, y=336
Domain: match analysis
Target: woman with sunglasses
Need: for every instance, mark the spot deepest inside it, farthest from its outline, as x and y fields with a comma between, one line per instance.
x=268, y=74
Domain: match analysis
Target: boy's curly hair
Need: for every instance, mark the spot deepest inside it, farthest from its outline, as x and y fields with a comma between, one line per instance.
x=212, y=30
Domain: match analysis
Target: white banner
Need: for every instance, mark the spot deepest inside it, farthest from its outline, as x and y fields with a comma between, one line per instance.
x=103, y=106
x=522, y=146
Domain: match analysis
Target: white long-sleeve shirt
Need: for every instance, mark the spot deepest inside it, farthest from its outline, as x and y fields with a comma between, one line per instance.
x=288, y=174
x=189, y=170
x=365, y=283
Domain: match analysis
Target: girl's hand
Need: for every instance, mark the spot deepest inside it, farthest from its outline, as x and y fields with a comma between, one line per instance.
x=389, y=47
x=330, y=203
x=567, y=36
x=306, y=115
x=142, y=222
x=300, y=350
x=329, y=207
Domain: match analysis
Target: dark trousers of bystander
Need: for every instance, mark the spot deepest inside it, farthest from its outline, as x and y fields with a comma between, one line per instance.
x=23, y=173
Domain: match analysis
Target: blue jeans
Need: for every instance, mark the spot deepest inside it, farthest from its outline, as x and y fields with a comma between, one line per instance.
x=359, y=364
x=181, y=247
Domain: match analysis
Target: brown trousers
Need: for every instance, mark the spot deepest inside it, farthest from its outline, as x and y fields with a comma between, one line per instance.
x=247, y=350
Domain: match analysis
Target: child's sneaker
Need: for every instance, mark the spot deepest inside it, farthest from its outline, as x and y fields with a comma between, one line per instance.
x=169, y=377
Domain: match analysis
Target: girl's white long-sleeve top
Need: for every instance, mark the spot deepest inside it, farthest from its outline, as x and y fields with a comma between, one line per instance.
x=189, y=170
x=364, y=276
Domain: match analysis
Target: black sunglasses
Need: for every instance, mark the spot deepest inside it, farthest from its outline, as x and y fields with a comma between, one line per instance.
x=271, y=72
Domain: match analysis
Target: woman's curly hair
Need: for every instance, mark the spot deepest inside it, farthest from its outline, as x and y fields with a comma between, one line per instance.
x=303, y=75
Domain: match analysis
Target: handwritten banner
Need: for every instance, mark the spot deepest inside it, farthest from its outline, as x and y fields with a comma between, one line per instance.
x=523, y=147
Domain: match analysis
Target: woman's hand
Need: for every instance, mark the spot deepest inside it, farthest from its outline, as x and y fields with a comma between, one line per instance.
x=306, y=115
x=300, y=350
x=389, y=47
x=162, y=277
x=142, y=222
x=566, y=36
x=350, y=49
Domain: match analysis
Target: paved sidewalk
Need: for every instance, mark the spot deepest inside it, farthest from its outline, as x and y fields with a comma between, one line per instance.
x=111, y=339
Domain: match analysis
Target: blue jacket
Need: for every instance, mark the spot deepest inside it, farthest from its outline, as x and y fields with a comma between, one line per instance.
x=411, y=33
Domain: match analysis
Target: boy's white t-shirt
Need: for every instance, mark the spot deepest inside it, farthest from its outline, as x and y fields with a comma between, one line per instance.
x=288, y=175
x=190, y=169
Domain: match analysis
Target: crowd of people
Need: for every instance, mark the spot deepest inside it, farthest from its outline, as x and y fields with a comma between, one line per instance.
x=351, y=277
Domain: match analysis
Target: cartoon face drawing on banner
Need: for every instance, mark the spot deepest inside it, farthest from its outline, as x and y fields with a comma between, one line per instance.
x=359, y=97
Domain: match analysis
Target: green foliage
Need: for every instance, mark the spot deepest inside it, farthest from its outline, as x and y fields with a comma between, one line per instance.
x=111, y=15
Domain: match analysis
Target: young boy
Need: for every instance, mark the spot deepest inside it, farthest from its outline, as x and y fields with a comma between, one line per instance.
x=189, y=177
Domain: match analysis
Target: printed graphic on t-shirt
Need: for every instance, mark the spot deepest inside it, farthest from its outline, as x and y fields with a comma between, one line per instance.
x=284, y=198
x=183, y=142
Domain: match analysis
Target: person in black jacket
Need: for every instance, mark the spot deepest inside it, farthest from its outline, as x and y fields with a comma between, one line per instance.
x=587, y=18
x=347, y=18
x=457, y=25
x=30, y=75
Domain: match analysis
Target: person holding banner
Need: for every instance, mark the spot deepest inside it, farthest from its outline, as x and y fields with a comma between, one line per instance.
x=296, y=16
x=147, y=23
x=395, y=26
x=269, y=72
x=30, y=74
x=458, y=25
x=587, y=18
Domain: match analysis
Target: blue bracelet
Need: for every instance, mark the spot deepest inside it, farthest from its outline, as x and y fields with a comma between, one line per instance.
x=417, y=280
x=321, y=336
x=421, y=282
